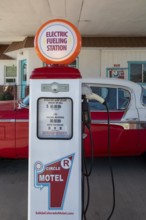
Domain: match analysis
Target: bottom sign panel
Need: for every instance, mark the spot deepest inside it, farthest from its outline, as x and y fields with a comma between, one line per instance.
x=54, y=176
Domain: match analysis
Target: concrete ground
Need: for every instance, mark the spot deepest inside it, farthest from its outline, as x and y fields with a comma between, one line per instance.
x=130, y=189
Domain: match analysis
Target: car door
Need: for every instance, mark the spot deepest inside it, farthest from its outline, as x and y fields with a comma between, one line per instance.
x=123, y=133
x=22, y=124
x=7, y=129
x=141, y=105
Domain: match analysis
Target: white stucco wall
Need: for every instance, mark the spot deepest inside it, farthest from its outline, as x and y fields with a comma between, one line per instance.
x=93, y=62
x=110, y=57
x=33, y=62
x=90, y=62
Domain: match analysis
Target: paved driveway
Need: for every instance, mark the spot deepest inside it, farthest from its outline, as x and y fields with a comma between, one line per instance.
x=130, y=183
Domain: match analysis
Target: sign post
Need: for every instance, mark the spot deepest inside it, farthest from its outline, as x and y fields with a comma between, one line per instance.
x=54, y=188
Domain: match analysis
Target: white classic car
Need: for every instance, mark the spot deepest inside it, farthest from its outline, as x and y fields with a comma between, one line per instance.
x=126, y=102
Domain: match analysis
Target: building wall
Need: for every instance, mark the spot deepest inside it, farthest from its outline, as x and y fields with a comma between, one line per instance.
x=92, y=62
x=120, y=58
x=33, y=62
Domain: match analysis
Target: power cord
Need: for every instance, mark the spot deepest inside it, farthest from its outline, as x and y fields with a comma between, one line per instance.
x=88, y=173
x=110, y=163
x=86, y=121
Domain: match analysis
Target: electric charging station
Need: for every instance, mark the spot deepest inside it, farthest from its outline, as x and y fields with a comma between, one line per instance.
x=55, y=133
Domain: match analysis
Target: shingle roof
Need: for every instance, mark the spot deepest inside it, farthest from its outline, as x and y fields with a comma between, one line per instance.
x=27, y=43
x=114, y=41
x=88, y=42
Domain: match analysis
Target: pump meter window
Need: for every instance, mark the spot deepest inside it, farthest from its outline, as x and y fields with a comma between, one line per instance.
x=55, y=118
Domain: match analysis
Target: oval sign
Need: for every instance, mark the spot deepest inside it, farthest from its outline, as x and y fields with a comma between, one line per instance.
x=57, y=42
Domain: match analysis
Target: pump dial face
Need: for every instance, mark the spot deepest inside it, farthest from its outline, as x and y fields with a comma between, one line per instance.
x=54, y=118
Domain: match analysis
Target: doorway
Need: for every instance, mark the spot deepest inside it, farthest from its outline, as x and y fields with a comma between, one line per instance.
x=23, y=77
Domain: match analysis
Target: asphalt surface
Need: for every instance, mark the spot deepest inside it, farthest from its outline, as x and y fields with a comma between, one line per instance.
x=130, y=189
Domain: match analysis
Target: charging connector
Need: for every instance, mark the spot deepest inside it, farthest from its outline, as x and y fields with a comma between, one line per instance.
x=86, y=119
x=96, y=97
x=87, y=91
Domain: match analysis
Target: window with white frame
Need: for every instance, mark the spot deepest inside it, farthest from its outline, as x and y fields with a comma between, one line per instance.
x=10, y=74
x=143, y=95
x=138, y=72
x=117, y=99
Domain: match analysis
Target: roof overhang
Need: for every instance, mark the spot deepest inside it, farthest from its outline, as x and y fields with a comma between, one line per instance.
x=14, y=47
x=2, y=55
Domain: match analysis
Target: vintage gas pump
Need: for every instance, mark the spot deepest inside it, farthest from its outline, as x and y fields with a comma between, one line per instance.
x=54, y=188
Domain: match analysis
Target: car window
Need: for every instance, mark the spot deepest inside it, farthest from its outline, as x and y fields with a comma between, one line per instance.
x=144, y=96
x=116, y=98
x=7, y=92
x=123, y=98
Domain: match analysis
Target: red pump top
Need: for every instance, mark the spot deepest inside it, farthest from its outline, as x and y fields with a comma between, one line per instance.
x=55, y=72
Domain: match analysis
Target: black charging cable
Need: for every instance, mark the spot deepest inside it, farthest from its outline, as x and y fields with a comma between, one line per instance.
x=110, y=163
x=86, y=121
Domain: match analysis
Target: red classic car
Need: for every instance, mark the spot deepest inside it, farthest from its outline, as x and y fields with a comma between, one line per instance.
x=126, y=102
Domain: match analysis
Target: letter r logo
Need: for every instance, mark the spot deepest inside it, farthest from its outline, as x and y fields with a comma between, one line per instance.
x=66, y=163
